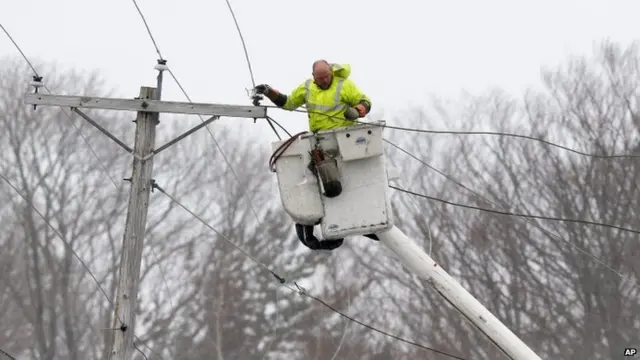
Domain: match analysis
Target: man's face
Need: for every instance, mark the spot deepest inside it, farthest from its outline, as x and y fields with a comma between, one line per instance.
x=322, y=77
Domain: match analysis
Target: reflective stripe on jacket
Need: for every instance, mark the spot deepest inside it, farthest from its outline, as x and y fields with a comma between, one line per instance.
x=326, y=107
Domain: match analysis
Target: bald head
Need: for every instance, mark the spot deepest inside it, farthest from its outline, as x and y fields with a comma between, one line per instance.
x=319, y=64
x=322, y=74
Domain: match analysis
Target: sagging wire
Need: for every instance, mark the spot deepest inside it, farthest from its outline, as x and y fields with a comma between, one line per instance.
x=299, y=289
x=75, y=254
x=302, y=291
x=587, y=222
x=7, y=354
x=226, y=160
x=227, y=239
x=460, y=132
x=527, y=219
x=510, y=213
x=64, y=241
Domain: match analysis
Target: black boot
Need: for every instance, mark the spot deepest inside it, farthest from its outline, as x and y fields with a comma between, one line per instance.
x=372, y=237
x=306, y=237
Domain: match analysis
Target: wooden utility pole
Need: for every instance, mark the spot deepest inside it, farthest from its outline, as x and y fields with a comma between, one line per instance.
x=133, y=241
x=149, y=106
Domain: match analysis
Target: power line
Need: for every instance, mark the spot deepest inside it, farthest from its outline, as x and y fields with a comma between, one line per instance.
x=4, y=352
x=226, y=160
x=506, y=212
x=525, y=216
x=551, y=234
x=146, y=25
x=244, y=252
x=303, y=292
x=104, y=169
x=20, y=50
x=300, y=290
x=246, y=55
x=509, y=213
x=280, y=126
x=460, y=132
x=244, y=45
x=66, y=243
x=496, y=133
x=202, y=120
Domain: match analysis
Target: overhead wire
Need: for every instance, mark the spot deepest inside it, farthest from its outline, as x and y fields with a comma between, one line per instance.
x=461, y=132
x=280, y=126
x=226, y=160
x=285, y=145
x=146, y=25
x=246, y=55
x=270, y=120
x=505, y=134
x=7, y=354
x=64, y=241
x=75, y=254
x=104, y=169
x=527, y=219
x=509, y=213
x=303, y=292
x=300, y=290
x=269, y=245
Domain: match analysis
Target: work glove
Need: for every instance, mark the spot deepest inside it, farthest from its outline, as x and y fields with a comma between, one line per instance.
x=263, y=89
x=351, y=113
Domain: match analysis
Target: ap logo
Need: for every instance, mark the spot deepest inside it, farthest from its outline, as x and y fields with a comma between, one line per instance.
x=630, y=352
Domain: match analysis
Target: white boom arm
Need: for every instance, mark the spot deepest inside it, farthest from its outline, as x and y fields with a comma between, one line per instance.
x=415, y=258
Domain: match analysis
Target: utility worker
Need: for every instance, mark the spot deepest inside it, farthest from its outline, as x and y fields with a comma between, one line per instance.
x=332, y=101
x=331, y=98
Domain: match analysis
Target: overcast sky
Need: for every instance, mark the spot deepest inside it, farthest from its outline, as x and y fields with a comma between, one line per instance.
x=401, y=51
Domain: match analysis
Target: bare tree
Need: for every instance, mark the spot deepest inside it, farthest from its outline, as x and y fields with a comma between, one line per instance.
x=199, y=295
x=79, y=210
x=558, y=285
x=44, y=159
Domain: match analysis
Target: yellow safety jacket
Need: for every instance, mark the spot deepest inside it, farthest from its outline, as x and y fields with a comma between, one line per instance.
x=326, y=107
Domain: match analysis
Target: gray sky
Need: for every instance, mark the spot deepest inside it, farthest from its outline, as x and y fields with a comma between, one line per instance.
x=401, y=51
